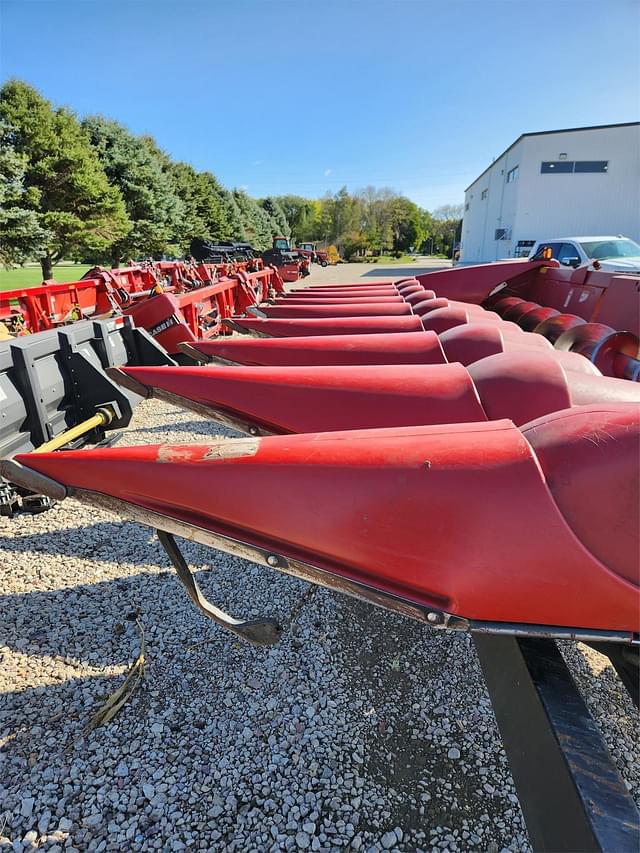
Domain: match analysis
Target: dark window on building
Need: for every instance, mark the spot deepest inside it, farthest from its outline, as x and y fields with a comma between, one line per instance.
x=484, y=194
x=512, y=174
x=502, y=234
x=591, y=166
x=523, y=247
x=466, y=207
x=556, y=166
x=560, y=166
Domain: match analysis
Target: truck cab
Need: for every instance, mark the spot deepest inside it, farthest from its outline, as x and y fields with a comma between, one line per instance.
x=612, y=254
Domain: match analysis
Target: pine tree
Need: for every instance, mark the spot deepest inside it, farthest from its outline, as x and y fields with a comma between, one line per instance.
x=142, y=173
x=65, y=185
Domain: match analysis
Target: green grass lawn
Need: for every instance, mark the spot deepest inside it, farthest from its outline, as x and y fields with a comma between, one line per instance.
x=30, y=276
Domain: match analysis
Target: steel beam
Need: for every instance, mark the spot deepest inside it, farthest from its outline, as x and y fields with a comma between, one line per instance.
x=570, y=792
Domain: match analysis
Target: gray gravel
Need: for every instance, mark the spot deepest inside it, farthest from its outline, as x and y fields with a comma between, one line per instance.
x=360, y=731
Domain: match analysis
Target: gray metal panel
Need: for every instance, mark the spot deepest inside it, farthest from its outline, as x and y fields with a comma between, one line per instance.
x=14, y=433
x=55, y=379
x=39, y=375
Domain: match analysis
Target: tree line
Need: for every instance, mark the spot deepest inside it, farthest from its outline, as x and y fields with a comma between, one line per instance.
x=372, y=222
x=91, y=190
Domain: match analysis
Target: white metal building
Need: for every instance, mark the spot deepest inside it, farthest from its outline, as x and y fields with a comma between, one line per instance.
x=584, y=180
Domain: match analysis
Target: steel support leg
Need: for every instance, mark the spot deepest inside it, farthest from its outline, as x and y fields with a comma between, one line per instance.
x=571, y=793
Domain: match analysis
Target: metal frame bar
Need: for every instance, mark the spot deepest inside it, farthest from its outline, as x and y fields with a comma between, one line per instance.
x=571, y=793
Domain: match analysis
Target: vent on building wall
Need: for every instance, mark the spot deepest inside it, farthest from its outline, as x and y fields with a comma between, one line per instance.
x=503, y=234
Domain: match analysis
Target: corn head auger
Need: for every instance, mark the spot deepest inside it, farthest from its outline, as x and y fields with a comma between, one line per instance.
x=416, y=442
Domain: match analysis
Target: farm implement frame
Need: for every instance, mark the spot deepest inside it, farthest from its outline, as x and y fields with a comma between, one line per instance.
x=158, y=296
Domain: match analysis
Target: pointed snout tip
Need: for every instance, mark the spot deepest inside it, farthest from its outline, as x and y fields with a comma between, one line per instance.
x=23, y=475
x=192, y=352
x=121, y=377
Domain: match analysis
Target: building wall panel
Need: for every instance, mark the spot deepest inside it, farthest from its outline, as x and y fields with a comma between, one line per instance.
x=538, y=206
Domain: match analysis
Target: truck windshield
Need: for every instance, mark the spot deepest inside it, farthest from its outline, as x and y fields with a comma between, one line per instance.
x=603, y=249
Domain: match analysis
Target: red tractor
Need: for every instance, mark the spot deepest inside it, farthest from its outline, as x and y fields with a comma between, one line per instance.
x=315, y=255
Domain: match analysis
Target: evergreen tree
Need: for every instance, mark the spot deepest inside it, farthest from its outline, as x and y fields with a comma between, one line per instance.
x=279, y=222
x=65, y=185
x=143, y=175
x=256, y=224
x=205, y=212
x=21, y=235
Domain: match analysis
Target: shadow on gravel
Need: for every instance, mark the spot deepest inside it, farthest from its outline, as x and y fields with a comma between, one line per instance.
x=427, y=699
x=85, y=622
x=78, y=622
x=400, y=272
x=200, y=425
x=109, y=540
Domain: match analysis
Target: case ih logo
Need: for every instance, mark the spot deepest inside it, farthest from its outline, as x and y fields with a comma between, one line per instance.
x=166, y=324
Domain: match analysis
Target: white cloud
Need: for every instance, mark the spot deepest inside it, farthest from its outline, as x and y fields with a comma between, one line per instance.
x=327, y=172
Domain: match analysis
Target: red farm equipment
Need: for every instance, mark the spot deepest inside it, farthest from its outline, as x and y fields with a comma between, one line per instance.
x=315, y=255
x=174, y=301
x=460, y=448
x=419, y=434
x=291, y=263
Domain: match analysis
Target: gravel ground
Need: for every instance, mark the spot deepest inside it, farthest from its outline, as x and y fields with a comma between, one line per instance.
x=359, y=731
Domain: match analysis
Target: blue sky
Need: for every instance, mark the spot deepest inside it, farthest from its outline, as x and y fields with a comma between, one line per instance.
x=304, y=97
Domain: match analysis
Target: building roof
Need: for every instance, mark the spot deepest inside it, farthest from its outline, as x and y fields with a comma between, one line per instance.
x=548, y=133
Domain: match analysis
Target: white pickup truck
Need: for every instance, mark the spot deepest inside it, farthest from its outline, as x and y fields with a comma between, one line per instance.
x=612, y=254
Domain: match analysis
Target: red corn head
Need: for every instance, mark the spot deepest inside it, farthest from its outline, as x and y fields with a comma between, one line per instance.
x=353, y=293
x=465, y=344
x=514, y=528
x=359, y=309
x=389, y=284
x=411, y=348
x=336, y=300
x=264, y=400
x=273, y=327
x=471, y=342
